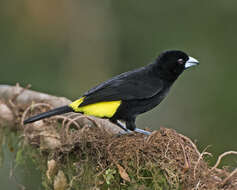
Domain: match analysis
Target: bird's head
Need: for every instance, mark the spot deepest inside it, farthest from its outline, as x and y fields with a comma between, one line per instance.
x=173, y=62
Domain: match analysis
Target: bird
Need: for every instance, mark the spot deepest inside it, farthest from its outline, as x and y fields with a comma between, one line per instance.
x=123, y=97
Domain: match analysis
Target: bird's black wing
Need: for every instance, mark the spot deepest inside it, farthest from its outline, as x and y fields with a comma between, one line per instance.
x=136, y=84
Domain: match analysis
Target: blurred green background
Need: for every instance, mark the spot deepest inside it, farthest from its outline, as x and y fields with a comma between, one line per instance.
x=66, y=47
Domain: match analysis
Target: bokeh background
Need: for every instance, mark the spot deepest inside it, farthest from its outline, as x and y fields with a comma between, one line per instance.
x=66, y=47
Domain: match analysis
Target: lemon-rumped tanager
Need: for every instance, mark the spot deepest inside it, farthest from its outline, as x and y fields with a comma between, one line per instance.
x=129, y=94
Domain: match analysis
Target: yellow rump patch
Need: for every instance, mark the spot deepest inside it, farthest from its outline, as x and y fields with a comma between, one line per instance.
x=100, y=109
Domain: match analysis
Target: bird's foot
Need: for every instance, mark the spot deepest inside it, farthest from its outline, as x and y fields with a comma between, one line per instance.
x=127, y=131
x=135, y=130
x=142, y=131
x=122, y=126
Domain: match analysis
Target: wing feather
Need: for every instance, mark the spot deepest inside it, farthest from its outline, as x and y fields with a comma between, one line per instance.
x=136, y=84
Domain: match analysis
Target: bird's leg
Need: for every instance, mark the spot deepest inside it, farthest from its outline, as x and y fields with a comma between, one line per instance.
x=132, y=126
x=119, y=124
x=122, y=126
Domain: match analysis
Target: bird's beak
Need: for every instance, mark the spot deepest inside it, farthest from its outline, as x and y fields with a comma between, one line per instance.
x=191, y=62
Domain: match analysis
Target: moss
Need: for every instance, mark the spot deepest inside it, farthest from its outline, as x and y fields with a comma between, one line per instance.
x=88, y=157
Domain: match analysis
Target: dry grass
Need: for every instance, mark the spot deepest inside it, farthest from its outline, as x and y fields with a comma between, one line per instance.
x=136, y=158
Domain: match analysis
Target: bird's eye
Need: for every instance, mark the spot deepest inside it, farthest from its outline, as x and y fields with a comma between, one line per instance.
x=181, y=61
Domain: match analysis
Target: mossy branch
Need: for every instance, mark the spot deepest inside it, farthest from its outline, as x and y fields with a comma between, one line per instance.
x=83, y=152
x=15, y=100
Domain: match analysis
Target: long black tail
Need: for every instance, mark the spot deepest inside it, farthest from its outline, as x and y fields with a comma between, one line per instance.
x=56, y=111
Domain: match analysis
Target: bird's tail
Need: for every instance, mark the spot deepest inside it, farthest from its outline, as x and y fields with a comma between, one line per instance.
x=56, y=111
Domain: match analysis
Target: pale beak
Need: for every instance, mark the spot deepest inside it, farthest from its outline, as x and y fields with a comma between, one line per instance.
x=191, y=62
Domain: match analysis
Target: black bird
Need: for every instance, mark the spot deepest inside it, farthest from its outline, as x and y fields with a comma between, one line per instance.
x=129, y=94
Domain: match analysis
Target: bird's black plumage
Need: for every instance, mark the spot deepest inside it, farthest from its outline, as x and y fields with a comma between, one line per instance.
x=139, y=90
